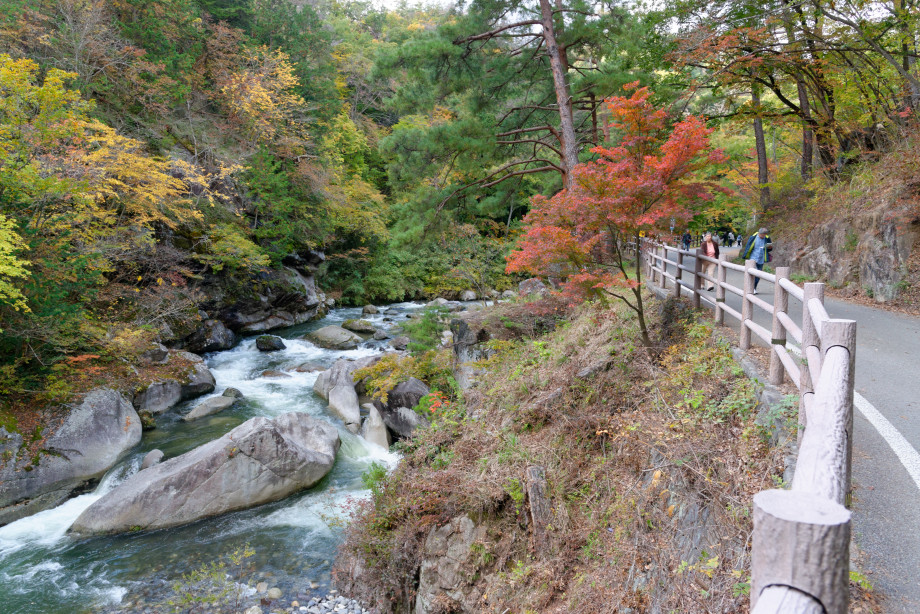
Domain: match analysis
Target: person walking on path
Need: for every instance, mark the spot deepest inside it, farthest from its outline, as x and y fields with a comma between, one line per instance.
x=758, y=249
x=731, y=238
x=686, y=239
x=709, y=248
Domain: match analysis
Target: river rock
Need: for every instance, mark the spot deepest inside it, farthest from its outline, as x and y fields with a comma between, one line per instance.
x=309, y=367
x=337, y=386
x=274, y=373
x=209, y=407
x=211, y=336
x=158, y=396
x=380, y=335
x=396, y=412
x=369, y=310
x=151, y=458
x=198, y=380
x=93, y=436
x=269, y=343
x=374, y=429
x=438, y=302
x=259, y=461
x=399, y=343
x=274, y=593
x=532, y=286
x=334, y=338
x=232, y=393
x=359, y=326
x=467, y=295
x=509, y=294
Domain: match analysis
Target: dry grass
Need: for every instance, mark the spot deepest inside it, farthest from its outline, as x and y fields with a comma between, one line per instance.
x=651, y=462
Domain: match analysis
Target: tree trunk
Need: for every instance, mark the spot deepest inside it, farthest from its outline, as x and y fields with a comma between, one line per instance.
x=563, y=97
x=808, y=137
x=761, y=146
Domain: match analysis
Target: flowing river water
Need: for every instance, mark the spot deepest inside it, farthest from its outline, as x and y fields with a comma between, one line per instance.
x=43, y=570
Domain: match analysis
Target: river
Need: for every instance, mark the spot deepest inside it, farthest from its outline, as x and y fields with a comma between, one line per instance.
x=43, y=570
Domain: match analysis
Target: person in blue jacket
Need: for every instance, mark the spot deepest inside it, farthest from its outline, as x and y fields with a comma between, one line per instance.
x=758, y=249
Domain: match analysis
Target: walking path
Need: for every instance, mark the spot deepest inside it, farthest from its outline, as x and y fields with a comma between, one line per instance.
x=886, y=464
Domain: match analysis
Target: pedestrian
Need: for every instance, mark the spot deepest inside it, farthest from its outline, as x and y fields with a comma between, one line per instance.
x=731, y=238
x=709, y=248
x=758, y=249
x=686, y=239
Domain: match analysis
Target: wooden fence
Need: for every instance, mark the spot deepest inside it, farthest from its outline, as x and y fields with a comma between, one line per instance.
x=801, y=541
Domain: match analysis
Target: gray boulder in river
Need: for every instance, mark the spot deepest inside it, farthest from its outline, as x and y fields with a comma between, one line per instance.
x=91, y=439
x=334, y=338
x=261, y=460
x=337, y=386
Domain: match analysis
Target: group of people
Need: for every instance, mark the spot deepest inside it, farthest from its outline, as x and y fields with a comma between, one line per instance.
x=758, y=248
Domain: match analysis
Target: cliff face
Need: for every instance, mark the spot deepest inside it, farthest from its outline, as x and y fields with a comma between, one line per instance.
x=871, y=250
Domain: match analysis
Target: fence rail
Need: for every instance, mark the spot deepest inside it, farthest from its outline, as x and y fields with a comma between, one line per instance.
x=801, y=541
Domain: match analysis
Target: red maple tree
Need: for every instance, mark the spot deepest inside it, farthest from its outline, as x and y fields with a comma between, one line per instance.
x=652, y=175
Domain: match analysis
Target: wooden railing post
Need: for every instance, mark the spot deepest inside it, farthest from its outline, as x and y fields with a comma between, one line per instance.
x=677, y=273
x=801, y=540
x=842, y=333
x=747, y=307
x=697, y=269
x=778, y=336
x=810, y=338
x=720, y=291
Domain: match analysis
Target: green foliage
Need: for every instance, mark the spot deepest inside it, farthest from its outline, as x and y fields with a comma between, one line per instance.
x=215, y=584
x=425, y=331
x=374, y=479
x=431, y=367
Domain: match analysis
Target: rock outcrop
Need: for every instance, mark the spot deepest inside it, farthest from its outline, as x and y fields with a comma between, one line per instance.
x=870, y=250
x=92, y=437
x=448, y=550
x=468, y=348
x=532, y=286
x=259, y=461
x=334, y=338
x=286, y=297
x=211, y=336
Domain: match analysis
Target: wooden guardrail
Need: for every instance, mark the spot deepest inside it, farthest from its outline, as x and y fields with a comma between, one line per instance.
x=801, y=543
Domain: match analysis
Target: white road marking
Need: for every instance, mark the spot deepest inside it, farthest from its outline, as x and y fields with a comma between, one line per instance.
x=905, y=452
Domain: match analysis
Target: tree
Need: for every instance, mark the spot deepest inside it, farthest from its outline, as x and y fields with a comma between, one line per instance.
x=651, y=176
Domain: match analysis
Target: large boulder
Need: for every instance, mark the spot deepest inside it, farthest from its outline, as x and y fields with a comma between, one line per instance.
x=261, y=460
x=374, y=429
x=211, y=336
x=337, y=386
x=209, y=407
x=369, y=310
x=269, y=343
x=93, y=436
x=359, y=326
x=164, y=394
x=399, y=343
x=467, y=295
x=334, y=338
x=397, y=413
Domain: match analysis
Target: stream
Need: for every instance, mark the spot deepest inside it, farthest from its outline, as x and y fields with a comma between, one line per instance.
x=44, y=570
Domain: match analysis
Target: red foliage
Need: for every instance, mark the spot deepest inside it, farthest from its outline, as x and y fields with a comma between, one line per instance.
x=648, y=178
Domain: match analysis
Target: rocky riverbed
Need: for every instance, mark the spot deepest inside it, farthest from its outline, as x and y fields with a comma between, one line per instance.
x=46, y=568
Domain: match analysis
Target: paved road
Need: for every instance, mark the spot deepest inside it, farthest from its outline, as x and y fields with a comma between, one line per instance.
x=886, y=505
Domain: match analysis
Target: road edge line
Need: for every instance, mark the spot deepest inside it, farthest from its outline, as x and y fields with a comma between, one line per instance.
x=905, y=452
